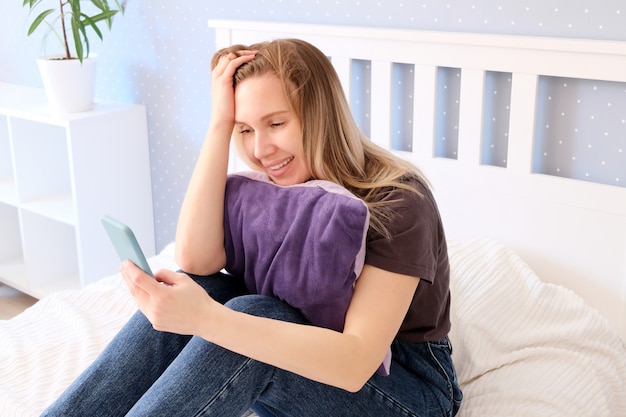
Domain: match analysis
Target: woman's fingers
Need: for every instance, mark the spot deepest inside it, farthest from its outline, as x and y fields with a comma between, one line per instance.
x=223, y=108
x=232, y=61
x=165, y=276
x=136, y=279
x=171, y=301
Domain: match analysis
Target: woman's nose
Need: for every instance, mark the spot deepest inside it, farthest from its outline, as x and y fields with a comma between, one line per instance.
x=263, y=146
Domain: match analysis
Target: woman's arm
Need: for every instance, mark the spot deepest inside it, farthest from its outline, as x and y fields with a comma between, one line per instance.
x=200, y=230
x=345, y=360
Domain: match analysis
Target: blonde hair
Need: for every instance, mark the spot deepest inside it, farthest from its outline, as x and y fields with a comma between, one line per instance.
x=334, y=145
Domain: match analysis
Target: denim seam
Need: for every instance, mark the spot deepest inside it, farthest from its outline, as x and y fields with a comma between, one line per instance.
x=448, y=380
x=391, y=400
x=225, y=386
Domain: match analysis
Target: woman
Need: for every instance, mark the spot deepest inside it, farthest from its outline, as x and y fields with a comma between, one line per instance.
x=203, y=346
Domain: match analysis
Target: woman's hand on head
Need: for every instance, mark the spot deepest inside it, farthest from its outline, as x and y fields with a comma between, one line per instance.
x=171, y=301
x=223, y=101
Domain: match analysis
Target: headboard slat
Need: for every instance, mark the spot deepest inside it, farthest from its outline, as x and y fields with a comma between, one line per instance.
x=424, y=94
x=471, y=115
x=343, y=67
x=522, y=122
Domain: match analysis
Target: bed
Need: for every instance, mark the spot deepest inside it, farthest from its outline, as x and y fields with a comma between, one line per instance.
x=538, y=260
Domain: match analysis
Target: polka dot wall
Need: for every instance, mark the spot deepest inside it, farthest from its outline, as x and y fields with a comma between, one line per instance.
x=158, y=54
x=582, y=131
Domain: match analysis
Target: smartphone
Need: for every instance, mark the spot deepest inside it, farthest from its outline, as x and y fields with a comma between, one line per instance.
x=125, y=243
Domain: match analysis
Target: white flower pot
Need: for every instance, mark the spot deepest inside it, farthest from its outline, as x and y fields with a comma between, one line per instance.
x=70, y=86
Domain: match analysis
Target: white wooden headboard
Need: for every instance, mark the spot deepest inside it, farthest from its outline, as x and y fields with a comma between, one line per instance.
x=570, y=232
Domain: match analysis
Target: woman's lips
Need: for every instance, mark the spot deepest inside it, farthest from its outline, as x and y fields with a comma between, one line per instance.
x=282, y=164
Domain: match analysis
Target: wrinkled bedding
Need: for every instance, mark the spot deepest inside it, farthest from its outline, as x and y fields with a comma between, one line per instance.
x=521, y=347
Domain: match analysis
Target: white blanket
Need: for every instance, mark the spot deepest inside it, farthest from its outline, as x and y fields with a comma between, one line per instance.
x=527, y=348
x=46, y=347
x=521, y=347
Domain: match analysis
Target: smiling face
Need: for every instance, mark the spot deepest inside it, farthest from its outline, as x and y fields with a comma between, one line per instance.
x=270, y=133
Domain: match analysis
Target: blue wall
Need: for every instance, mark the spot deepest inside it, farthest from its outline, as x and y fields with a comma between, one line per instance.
x=159, y=52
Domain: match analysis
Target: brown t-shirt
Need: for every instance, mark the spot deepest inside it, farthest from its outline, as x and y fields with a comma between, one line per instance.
x=417, y=247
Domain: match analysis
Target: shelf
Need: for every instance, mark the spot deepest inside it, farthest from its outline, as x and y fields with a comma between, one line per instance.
x=41, y=160
x=58, y=207
x=13, y=272
x=8, y=192
x=11, y=256
x=10, y=242
x=59, y=174
x=22, y=100
x=50, y=250
x=30, y=103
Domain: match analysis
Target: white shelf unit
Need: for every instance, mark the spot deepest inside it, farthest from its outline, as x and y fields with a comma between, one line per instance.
x=59, y=174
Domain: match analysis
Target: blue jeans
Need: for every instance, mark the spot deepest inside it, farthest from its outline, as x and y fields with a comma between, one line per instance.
x=144, y=372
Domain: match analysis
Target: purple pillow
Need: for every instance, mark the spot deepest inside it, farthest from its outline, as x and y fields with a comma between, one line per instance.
x=304, y=244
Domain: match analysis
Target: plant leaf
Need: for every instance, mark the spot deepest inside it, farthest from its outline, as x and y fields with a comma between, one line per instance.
x=121, y=6
x=38, y=20
x=78, y=44
x=31, y=3
x=86, y=41
x=92, y=23
x=104, y=15
x=83, y=31
x=79, y=21
x=75, y=6
x=102, y=5
x=52, y=30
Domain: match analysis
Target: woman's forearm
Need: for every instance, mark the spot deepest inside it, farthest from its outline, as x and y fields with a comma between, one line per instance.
x=343, y=359
x=320, y=354
x=200, y=229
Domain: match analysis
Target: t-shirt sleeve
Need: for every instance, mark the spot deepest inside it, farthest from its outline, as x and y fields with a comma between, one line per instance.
x=414, y=226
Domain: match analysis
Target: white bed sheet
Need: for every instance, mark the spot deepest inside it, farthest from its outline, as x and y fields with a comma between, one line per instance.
x=521, y=347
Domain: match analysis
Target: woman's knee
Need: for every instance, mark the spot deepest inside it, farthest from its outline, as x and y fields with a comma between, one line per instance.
x=221, y=287
x=266, y=306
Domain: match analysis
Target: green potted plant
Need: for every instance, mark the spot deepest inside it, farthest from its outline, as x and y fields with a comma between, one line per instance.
x=69, y=77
